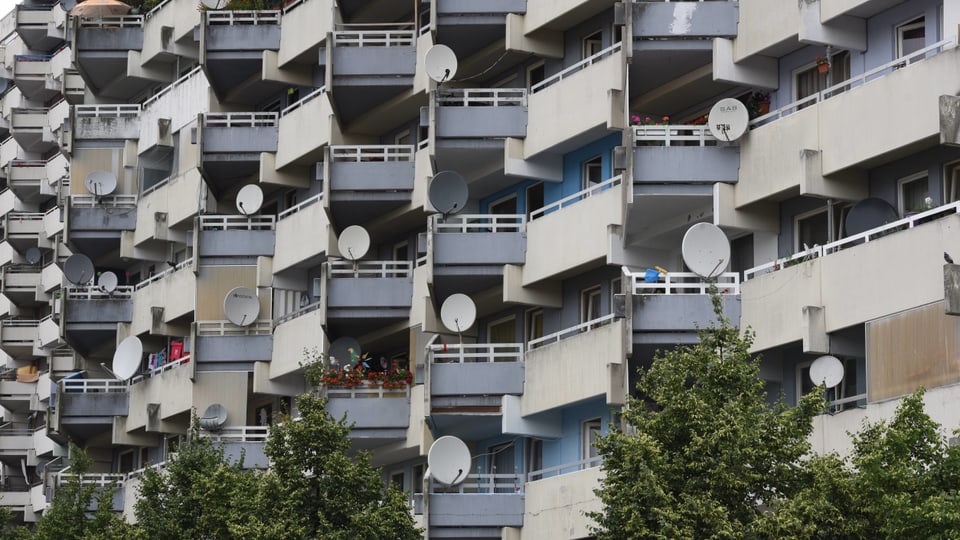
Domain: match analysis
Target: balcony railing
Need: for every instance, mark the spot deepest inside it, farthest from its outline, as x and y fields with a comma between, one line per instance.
x=239, y=434
x=95, y=292
x=577, y=197
x=302, y=310
x=368, y=392
x=25, y=216
x=908, y=222
x=123, y=21
x=106, y=111
x=233, y=18
x=673, y=135
x=371, y=269
x=106, y=201
x=566, y=468
x=87, y=386
x=484, y=483
x=372, y=152
x=185, y=359
x=227, y=328
x=389, y=35
x=482, y=223
x=482, y=97
x=302, y=101
x=683, y=283
x=586, y=62
x=477, y=352
x=556, y=337
x=300, y=206
x=91, y=479
x=163, y=274
x=240, y=119
x=172, y=85
x=237, y=223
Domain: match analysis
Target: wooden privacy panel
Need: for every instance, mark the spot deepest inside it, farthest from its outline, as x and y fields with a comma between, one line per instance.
x=911, y=349
x=214, y=282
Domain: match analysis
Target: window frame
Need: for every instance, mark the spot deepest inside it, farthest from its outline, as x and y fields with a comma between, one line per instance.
x=797, y=244
x=588, y=42
x=586, y=296
x=585, y=168
x=502, y=320
x=899, y=30
x=902, y=183
x=951, y=182
x=588, y=447
x=528, y=324
x=529, y=72
x=501, y=200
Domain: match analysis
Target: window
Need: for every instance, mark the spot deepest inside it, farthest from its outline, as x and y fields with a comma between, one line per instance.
x=913, y=190
x=590, y=431
x=534, y=197
x=402, y=138
x=847, y=388
x=533, y=327
x=418, y=478
x=502, y=330
x=536, y=73
x=396, y=479
x=951, y=182
x=125, y=462
x=534, y=456
x=401, y=251
x=592, y=173
x=592, y=44
x=911, y=37
x=501, y=460
x=812, y=228
x=615, y=284
x=506, y=205
x=808, y=80
x=589, y=304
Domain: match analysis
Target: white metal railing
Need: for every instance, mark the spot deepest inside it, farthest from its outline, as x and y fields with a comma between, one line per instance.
x=586, y=62
x=139, y=472
x=372, y=152
x=106, y=111
x=25, y=216
x=21, y=269
x=157, y=8
x=87, y=386
x=259, y=327
x=671, y=135
x=302, y=101
x=302, y=310
x=19, y=323
x=108, y=201
x=163, y=274
x=9, y=429
x=482, y=97
x=576, y=197
x=484, y=483
x=232, y=18
x=477, y=352
x=908, y=222
x=161, y=369
x=398, y=36
x=95, y=292
x=237, y=223
x=243, y=434
x=481, y=223
x=91, y=479
x=240, y=119
x=291, y=5
x=853, y=82
x=556, y=337
x=370, y=269
x=172, y=85
x=121, y=21
x=155, y=187
x=566, y=468
x=378, y=391
x=300, y=206
x=684, y=283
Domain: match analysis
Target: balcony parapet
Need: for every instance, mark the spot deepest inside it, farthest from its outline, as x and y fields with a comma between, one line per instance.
x=300, y=206
x=579, y=66
x=371, y=269
x=243, y=18
x=107, y=111
x=476, y=369
x=237, y=223
x=556, y=337
x=227, y=328
x=108, y=201
x=185, y=359
x=501, y=497
x=240, y=119
x=95, y=292
x=368, y=35
x=157, y=277
x=481, y=112
x=94, y=386
x=727, y=283
x=121, y=21
x=576, y=197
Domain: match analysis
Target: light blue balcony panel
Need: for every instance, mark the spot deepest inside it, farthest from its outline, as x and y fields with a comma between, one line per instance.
x=685, y=19
x=386, y=62
x=476, y=509
x=476, y=378
x=237, y=243
x=479, y=121
x=366, y=412
x=92, y=404
x=688, y=164
x=232, y=353
x=243, y=37
x=103, y=219
x=370, y=292
x=479, y=248
x=109, y=39
x=97, y=311
x=371, y=176
x=252, y=453
x=238, y=140
x=679, y=312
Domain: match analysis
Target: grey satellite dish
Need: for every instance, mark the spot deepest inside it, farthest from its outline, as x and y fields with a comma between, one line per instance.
x=108, y=282
x=458, y=312
x=249, y=199
x=354, y=242
x=4, y=85
x=448, y=192
x=212, y=4
x=341, y=349
x=101, y=183
x=869, y=214
x=68, y=5
x=127, y=358
x=241, y=306
x=728, y=119
x=440, y=62
x=33, y=255
x=449, y=460
x=826, y=370
x=214, y=417
x=706, y=250
x=78, y=269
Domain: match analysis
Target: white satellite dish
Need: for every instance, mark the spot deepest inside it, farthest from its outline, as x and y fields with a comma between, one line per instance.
x=108, y=282
x=449, y=460
x=354, y=242
x=101, y=183
x=448, y=192
x=249, y=199
x=440, y=63
x=213, y=4
x=127, y=358
x=214, y=417
x=458, y=312
x=78, y=269
x=68, y=5
x=241, y=306
x=33, y=255
x=706, y=250
x=826, y=370
x=728, y=119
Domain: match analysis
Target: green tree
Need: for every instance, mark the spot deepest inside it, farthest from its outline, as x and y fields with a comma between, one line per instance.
x=10, y=530
x=709, y=452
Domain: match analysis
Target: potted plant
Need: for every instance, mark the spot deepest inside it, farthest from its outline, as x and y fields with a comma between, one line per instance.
x=823, y=64
x=758, y=104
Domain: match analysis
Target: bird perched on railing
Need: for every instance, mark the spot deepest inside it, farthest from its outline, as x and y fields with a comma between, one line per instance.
x=947, y=257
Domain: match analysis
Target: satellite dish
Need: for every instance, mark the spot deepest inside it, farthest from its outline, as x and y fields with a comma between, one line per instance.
x=78, y=269
x=33, y=255
x=458, y=312
x=108, y=282
x=827, y=370
x=449, y=460
x=101, y=183
x=868, y=214
x=212, y=4
x=354, y=242
x=241, y=306
x=440, y=63
x=706, y=250
x=214, y=417
x=249, y=199
x=4, y=85
x=68, y=5
x=341, y=349
x=127, y=358
x=728, y=119
x=448, y=192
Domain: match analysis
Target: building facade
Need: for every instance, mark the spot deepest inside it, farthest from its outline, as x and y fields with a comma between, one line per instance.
x=580, y=129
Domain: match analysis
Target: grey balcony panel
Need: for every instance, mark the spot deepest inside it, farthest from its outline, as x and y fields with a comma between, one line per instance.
x=93, y=404
x=366, y=61
x=243, y=37
x=482, y=121
x=479, y=248
x=467, y=7
x=106, y=128
x=95, y=311
x=372, y=176
x=685, y=19
x=252, y=452
x=103, y=219
x=476, y=509
x=476, y=378
x=232, y=353
x=240, y=139
x=679, y=312
x=109, y=39
x=708, y=164
x=372, y=413
x=237, y=243
x=370, y=292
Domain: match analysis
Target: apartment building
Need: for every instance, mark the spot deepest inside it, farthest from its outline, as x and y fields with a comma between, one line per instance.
x=579, y=128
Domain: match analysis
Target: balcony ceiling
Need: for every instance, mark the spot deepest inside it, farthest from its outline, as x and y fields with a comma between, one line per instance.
x=660, y=221
x=352, y=102
x=235, y=77
x=376, y=11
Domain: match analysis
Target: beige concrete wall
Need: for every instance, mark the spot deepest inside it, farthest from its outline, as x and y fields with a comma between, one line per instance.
x=770, y=162
x=560, y=13
x=304, y=28
x=213, y=284
x=184, y=192
x=87, y=160
x=178, y=296
x=575, y=369
x=172, y=389
x=292, y=246
x=226, y=388
x=291, y=338
x=771, y=304
x=555, y=506
x=305, y=131
x=765, y=23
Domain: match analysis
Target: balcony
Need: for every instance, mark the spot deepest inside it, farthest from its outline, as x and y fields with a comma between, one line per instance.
x=242, y=441
x=41, y=27
x=90, y=314
x=169, y=34
x=232, y=144
x=295, y=250
x=478, y=113
x=677, y=154
x=237, y=236
x=478, y=507
x=365, y=295
x=83, y=408
x=558, y=498
x=22, y=229
x=163, y=298
x=21, y=284
x=159, y=395
x=378, y=415
x=224, y=346
x=103, y=55
x=233, y=48
x=15, y=393
x=297, y=146
x=173, y=108
x=73, y=86
x=99, y=482
x=31, y=129
x=35, y=180
x=367, y=181
x=96, y=222
x=469, y=250
x=161, y=214
x=17, y=336
x=295, y=332
x=19, y=441
x=109, y=122
x=34, y=74
x=305, y=27
x=685, y=20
